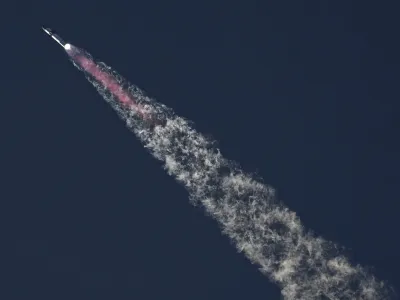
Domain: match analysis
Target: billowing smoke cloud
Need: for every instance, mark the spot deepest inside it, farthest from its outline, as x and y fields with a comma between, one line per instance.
x=268, y=233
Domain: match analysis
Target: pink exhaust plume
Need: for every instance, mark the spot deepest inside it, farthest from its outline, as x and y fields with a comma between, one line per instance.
x=105, y=79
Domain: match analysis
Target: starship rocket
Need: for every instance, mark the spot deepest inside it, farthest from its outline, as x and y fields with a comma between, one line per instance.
x=55, y=36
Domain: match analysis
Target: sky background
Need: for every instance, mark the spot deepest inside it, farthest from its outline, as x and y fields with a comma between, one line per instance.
x=305, y=94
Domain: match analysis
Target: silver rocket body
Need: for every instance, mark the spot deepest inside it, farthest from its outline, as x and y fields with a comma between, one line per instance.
x=55, y=37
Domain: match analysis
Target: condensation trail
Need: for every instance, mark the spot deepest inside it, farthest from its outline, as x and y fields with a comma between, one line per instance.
x=268, y=233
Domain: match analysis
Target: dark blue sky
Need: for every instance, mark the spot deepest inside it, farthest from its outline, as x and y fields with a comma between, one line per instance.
x=303, y=93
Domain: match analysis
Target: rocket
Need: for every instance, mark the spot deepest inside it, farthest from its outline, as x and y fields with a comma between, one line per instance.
x=55, y=37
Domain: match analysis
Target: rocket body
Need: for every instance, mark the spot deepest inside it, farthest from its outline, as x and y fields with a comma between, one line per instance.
x=54, y=36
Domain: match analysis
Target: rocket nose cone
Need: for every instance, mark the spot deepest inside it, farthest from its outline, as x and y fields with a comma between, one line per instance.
x=46, y=30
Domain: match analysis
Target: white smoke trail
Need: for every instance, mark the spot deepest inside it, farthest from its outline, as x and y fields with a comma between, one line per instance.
x=268, y=233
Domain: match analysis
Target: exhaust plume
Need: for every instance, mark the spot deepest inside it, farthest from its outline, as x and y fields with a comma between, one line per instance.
x=267, y=232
